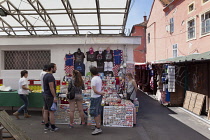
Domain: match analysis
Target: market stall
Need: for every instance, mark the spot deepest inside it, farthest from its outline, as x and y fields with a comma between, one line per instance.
x=117, y=112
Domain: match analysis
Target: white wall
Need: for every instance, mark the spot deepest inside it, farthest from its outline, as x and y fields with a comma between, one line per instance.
x=11, y=77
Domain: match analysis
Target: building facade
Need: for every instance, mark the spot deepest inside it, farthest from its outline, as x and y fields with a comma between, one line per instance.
x=178, y=28
x=26, y=52
x=140, y=51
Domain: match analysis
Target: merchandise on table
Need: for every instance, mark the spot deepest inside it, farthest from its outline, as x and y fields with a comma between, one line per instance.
x=35, y=85
x=118, y=116
x=117, y=112
x=1, y=82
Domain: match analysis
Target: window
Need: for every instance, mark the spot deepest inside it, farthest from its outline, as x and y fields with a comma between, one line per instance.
x=175, y=52
x=171, y=25
x=191, y=29
x=205, y=23
x=191, y=7
x=205, y=1
x=148, y=37
x=20, y=60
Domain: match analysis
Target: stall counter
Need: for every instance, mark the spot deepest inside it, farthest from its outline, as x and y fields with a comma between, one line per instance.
x=12, y=99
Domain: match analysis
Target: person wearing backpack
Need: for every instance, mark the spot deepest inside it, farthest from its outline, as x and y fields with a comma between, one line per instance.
x=76, y=85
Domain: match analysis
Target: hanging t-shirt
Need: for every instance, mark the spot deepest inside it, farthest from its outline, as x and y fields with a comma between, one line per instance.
x=99, y=56
x=108, y=56
x=69, y=60
x=79, y=57
x=91, y=57
x=100, y=66
x=118, y=57
x=80, y=67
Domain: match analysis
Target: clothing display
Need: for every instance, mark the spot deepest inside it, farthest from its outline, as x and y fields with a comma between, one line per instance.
x=118, y=57
x=80, y=67
x=108, y=55
x=107, y=61
x=79, y=57
x=108, y=66
x=91, y=55
x=116, y=69
x=171, y=78
x=100, y=56
x=69, y=69
x=69, y=59
x=100, y=66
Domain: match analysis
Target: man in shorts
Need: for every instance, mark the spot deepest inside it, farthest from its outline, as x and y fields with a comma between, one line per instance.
x=49, y=97
x=96, y=98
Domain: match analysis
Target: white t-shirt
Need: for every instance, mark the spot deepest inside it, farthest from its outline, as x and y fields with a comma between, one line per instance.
x=97, y=82
x=23, y=81
x=41, y=79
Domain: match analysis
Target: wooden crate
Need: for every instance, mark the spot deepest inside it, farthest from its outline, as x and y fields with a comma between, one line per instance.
x=199, y=104
x=187, y=99
x=192, y=101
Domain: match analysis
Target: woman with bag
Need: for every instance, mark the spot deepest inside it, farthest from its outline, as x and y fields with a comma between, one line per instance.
x=131, y=88
x=76, y=85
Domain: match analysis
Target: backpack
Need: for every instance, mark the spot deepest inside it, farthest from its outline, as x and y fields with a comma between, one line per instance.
x=72, y=90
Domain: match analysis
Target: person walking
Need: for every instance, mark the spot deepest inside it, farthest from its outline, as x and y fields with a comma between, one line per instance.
x=45, y=70
x=78, y=83
x=131, y=87
x=96, y=99
x=49, y=97
x=23, y=93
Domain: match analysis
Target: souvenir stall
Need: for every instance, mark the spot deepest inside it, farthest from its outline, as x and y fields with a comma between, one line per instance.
x=117, y=112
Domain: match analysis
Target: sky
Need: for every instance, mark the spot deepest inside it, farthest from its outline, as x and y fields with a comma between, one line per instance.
x=138, y=9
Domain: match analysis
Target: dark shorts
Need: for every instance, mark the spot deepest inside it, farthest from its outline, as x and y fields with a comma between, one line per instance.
x=48, y=101
x=95, y=106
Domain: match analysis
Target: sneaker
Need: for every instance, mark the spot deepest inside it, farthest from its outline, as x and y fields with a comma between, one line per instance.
x=42, y=123
x=71, y=126
x=53, y=130
x=47, y=128
x=96, y=131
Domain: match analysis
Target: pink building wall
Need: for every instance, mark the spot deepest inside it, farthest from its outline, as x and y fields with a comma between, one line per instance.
x=140, y=51
x=161, y=42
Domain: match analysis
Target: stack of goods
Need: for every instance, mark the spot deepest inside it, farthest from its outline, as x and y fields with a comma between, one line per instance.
x=118, y=116
x=35, y=85
x=87, y=92
x=1, y=82
x=108, y=84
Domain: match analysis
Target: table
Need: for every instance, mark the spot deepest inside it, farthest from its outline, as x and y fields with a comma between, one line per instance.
x=12, y=99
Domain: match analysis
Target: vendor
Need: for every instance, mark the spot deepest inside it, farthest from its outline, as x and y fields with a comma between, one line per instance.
x=131, y=87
